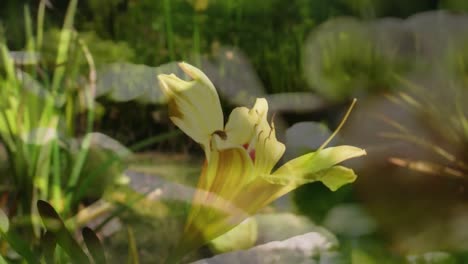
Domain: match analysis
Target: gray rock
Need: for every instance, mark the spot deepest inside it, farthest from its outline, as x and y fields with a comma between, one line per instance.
x=302, y=249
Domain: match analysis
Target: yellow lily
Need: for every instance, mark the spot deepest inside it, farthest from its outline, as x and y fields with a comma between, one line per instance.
x=237, y=178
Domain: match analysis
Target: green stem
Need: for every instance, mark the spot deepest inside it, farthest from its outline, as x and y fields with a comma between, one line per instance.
x=56, y=180
x=196, y=39
x=169, y=30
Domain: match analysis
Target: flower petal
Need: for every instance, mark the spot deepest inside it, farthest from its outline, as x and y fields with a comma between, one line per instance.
x=318, y=166
x=240, y=128
x=258, y=194
x=268, y=150
x=194, y=106
x=226, y=172
x=242, y=123
x=213, y=213
x=337, y=176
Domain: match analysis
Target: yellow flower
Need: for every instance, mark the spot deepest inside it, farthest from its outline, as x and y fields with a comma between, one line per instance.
x=237, y=178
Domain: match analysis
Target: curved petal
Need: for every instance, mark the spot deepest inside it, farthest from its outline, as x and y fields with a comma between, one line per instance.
x=268, y=150
x=240, y=127
x=194, y=106
x=226, y=172
x=213, y=213
x=242, y=123
x=318, y=166
x=258, y=194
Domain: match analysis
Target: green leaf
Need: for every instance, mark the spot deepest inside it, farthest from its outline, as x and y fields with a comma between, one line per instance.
x=2, y=260
x=4, y=222
x=20, y=246
x=48, y=244
x=56, y=226
x=94, y=246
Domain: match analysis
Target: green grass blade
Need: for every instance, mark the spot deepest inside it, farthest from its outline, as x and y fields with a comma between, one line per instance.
x=48, y=245
x=64, y=45
x=132, y=248
x=8, y=63
x=94, y=246
x=169, y=30
x=28, y=30
x=78, y=166
x=154, y=140
x=40, y=24
x=56, y=178
x=54, y=223
x=20, y=246
x=196, y=40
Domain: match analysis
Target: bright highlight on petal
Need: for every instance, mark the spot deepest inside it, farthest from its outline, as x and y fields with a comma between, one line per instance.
x=213, y=212
x=237, y=178
x=193, y=105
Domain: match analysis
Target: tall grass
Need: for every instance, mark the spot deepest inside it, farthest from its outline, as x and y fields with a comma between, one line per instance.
x=37, y=116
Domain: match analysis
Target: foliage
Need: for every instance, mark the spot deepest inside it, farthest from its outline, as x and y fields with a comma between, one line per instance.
x=103, y=51
x=193, y=33
x=46, y=107
x=56, y=243
x=47, y=157
x=344, y=59
x=455, y=5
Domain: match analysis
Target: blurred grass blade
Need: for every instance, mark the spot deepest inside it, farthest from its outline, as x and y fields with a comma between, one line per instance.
x=8, y=62
x=85, y=144
x=56, y=226
x=28, y=28
x=4, y=222
x=94, y=246
x=132, y=248
x=153, y=140
x=64, y=45
x=20, y=246
x=169, y=30
x=40, y=24
x=57, y=199
x=48, y=244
